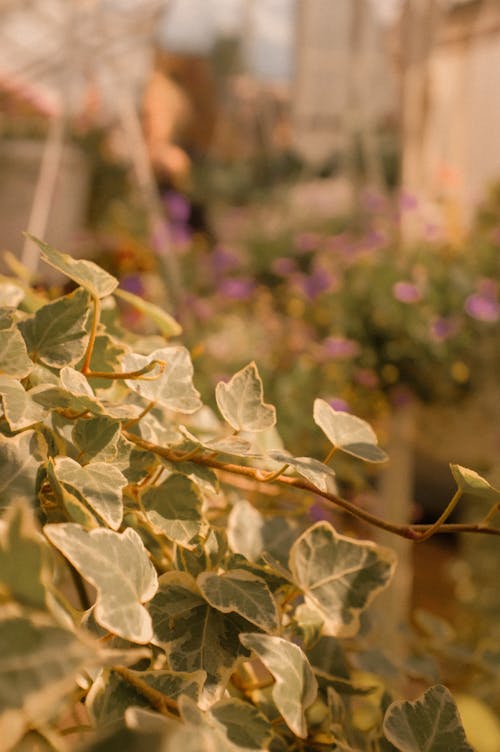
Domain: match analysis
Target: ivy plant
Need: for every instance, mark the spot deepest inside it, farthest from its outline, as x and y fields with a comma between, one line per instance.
x=147, y=600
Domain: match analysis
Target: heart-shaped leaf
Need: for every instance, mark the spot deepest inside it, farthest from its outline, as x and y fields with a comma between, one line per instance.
x=56, y=335
x=242, y=592
x=241, y=401
x=173, y=388
x=22, y=567
x=96, y=437
x=85, y=273
x=470, y=482
x=117, y=565
x=19, y=408
x=20, y=459
x=14, y=359
x=99, y=484
x=339, y=576
x=167, y=325
x=295, y=687
x=430, y=724
x=348, y=433
x=316, y=472
x=174, y=507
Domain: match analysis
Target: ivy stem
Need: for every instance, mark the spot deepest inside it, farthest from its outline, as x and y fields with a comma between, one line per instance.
x=93, y=335
x=442, y=517
x=491, y=514
x=130, y=374
x=330, y=454
x=134, y=421
x=268, y=477
x=156, y=699
x=411, y=532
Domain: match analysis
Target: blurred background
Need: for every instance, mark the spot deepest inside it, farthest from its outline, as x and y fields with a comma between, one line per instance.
x=313, y=184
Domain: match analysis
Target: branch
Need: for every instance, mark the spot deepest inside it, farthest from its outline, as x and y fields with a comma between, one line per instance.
x=416, y=533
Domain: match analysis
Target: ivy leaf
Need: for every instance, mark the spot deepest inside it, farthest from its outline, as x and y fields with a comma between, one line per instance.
x=167, y=325
x=348, y=433
x=77, y=510
x=295, y=687
x=430, y=724
x=56, y=335
x=99, y=484
x=470, y=482
x=174, y=507
x=96, y=436
x=22, y=567
x=39, y=663
x=111, y=695
x=245, y=530
x=316, y=472
x=243, y=724
x=19, y=408
x=117, y=565
x=174, y=387
x=339, y=576
x=241, y=592
x=195, y=635
x=14, y=359
x=20, y=458
x=241, y=401
x=85, y=273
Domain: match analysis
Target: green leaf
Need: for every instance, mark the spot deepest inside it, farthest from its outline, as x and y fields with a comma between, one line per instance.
x=19, y=408
x=470, y=482
x=167, y=325
x=295, y=687
x=243, y=724
x=243, y=593
x=14, y=360
x=316, y=472
x=99, y=484
x=106, y=357
x=348, y=433
x=174, y=508
x=195, y=635
x=111, y=695
x=241, y=401
x=430, y=724
x=22, y=562
x=174, y=387
x=244, y=530
x=85, y=273
x=339, y=576
x=20, y=458
x=117, y=565
x=97, y=436
x=76, y=509
x=39, y=663
x=56, y=335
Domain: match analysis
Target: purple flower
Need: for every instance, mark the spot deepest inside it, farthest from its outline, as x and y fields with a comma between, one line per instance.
x=133, y=283
x=306, y=242
x=482, y=307
x=339, y=404
x=283, y=266
x=177, y=207
x=407, y=202
x=319, y=281
x=373, y=202
x=366, y=377
x=443, y=328
x=406, y=292
x=224, y=259
x=341, y=348
x=236, y=288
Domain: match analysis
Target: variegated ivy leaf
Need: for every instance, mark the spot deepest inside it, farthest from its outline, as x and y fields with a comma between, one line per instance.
x=173, y=388
x=19, y=408
x=111, y=695
x=348, y=433
x=14, y=359
x=295, y=687
x=339, y=576
x=316, y=472
x=20, y=459
x=118, y=566
x=99, y=484
x=167, y=325
x=56, y=335
x=39, y=662
x=195, y=635
x=76, y=509
x=470, y=482
x=243, y=593
x=85, y=273
x=22, y=562
x=245, y=530
x=96, y=437
x=241, y=401
x=430, y=724
x=174, y=508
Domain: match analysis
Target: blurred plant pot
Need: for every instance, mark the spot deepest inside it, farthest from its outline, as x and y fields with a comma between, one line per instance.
x=20, y=161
